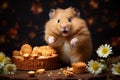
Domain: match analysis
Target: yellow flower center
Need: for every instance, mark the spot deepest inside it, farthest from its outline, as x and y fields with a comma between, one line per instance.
x=10, y=68
x=117, y=69
x=95, y=66
x=1, y=58
x=104, y=50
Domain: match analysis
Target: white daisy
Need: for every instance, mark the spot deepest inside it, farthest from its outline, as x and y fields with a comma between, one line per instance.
x=10, y=68
x=2, y=57
x=7, y=60
x=103, y=63
x=116, y=69
x=94, y=67
x=104, y=50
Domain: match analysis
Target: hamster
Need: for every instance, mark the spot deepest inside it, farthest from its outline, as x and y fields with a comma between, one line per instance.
x=68, y=34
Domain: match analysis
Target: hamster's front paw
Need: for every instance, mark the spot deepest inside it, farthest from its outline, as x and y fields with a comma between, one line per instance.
x=74, y=41
x=51, y=39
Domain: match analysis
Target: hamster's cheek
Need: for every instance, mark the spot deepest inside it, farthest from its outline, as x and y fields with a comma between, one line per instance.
x=51, y=39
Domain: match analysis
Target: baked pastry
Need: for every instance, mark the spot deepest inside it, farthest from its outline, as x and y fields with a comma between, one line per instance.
x=79, y=67
x=31, y=73
x=40, y=71
x=47, y=51
x=16, y=53
x=26, y=48
x=43, y=57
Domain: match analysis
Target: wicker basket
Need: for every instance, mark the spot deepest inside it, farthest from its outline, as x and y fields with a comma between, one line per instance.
x=48, y=63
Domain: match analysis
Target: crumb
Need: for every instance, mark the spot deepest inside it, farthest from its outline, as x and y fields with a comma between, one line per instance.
x=70, y=69
x=59, y=73
x=61, y=69
x=40, y=71
x=50, y=73
x=68, y=73
x=31, y=73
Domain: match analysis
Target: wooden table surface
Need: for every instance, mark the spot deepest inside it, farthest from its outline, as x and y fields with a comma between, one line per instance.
x=22, y=75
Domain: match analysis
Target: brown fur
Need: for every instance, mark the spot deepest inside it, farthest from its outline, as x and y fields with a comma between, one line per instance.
x=70, y=49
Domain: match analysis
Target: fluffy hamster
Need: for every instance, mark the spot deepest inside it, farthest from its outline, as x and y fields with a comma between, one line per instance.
x=68, y=34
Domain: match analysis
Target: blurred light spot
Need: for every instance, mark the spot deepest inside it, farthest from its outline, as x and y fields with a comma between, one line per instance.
x=2, y=38
x=53, y=4
x=116, y=41
x=29, y=24
x=82, y=4
x=36, y=8
x=99, y=29
x=12, y=32
x=4, y=5
x=113, y=24
x=32, y=35
x=106, y=1
x=61, y=1
x=37, y=0
x=90, y=21
x=36, y=27
x=17, y=26
x=104, y=19
x=105, y=11
x=94, y=4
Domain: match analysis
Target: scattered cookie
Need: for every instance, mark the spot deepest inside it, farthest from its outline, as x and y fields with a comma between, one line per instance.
x=50, y=73
x=68, y=73
x=70, y=69
x=79, y=67
x=59, y=73
x=61, y=69
x=31, y=73
x=40, y=71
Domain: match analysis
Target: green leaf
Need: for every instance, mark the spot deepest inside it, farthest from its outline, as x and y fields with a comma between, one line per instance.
x=1, y=71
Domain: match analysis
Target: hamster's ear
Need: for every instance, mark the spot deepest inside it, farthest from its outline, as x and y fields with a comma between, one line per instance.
x=78, y=13
x=51, y=13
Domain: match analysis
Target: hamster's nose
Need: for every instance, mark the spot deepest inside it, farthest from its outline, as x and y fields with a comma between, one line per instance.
x=63, y=25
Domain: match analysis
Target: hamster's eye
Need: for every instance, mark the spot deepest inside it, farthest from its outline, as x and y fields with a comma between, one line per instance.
x=69, y=19
x=58, y=20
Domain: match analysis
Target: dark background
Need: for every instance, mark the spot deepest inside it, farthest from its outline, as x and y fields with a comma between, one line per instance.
x=22, y=21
